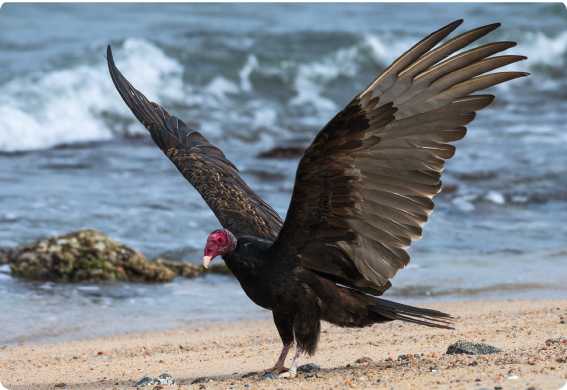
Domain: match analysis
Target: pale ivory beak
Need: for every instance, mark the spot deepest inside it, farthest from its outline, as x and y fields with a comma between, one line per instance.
x=206, y=261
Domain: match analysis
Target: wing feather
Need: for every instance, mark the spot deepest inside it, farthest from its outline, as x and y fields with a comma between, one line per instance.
x=363, y=189
x=204, y=165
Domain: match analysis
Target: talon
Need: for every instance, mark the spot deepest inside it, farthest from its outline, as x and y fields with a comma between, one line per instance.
x=275, y=370
x=288, y=375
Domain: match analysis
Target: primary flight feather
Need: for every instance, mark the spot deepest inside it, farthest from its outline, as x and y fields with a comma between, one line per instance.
x=363, y=190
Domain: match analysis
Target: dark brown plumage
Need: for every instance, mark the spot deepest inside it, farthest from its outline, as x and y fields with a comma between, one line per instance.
x=362, y=191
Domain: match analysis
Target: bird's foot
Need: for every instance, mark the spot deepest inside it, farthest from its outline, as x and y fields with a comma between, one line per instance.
x=288, y=374
x=275, y=370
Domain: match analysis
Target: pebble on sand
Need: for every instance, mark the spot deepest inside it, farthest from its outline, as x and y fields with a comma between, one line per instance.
x=267, y=376
x=470, y=348
x=203, y=379
x=163, y=379
x=364, y=360
x=309, y=367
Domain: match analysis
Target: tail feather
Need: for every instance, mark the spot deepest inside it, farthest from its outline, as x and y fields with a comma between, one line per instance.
x=416, y=315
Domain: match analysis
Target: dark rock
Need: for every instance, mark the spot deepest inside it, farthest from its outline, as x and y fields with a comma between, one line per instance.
x=471, y=348
x=61, y=385
x=449, y=189
x=188, y=270
x=498, y=387
x=562, y=321
x=91, y=256
x=283, y=152
x=309, y=367
x=557, y=340
x=433, y=369
x=85, y=255
x=477, y=176
x=203, y=379
x=3, y=256
x=473, y=364
x=364, y=360
x=266, y=376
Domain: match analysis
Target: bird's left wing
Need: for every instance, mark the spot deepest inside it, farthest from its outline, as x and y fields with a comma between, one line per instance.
x=363, y=188
x=204, y=165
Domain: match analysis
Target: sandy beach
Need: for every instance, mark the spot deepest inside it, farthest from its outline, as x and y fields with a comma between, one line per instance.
x=226, y=352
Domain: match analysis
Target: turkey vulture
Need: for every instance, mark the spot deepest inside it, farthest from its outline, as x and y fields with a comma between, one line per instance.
x=362, y=190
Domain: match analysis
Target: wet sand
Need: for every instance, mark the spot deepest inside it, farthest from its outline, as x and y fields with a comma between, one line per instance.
x=226, y=352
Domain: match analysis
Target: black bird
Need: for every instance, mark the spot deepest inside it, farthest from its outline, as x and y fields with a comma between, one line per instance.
x=362, y=190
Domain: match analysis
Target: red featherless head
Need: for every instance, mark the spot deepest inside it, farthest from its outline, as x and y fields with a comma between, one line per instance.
x=220, y=242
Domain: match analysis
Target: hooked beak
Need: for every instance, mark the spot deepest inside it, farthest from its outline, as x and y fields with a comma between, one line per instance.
x=206, y=261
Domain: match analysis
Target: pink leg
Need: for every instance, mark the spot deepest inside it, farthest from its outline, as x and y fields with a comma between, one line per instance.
x=279, y=367
x=283, y=355
x=292, y=372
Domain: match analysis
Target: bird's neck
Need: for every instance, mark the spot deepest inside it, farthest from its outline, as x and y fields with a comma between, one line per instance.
x=249, y=258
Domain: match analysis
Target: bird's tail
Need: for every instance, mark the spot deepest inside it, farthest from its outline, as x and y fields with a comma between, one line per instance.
x=417, y=315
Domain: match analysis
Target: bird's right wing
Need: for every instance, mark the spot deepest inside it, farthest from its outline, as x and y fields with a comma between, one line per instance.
x=204, y=165
x=363, y=188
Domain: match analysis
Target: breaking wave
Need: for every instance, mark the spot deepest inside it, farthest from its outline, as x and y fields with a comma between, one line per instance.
x=45, y=108
x=40, y=110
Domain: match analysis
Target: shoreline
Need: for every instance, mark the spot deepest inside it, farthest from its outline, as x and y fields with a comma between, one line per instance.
x=227, y=351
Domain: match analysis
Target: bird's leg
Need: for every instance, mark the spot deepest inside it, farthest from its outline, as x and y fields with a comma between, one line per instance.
x=279, y=367
x=292, y=372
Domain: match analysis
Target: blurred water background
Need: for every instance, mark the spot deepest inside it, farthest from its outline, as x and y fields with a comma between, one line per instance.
x=251, y=77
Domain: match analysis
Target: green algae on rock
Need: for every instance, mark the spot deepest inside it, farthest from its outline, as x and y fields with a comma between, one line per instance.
x=3, y=256
x=91, y=256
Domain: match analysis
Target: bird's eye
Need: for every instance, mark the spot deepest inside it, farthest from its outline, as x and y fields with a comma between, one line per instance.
x=219, y=240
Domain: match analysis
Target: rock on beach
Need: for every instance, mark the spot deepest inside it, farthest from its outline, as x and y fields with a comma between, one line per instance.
x=91, y=256
x=470, y=348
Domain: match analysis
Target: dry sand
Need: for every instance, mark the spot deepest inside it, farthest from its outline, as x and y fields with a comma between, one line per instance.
x=226, y=352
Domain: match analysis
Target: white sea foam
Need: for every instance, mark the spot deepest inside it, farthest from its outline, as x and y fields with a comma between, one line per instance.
x=464, y=202
x=495, y=197
x=540, y=50
x=386, y=49
x=220, y=86
x=249, y=67
x=63, y=106
x=313, y=77
x=44, y=109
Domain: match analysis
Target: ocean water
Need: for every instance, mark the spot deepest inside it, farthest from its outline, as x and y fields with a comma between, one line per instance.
x=251, y=77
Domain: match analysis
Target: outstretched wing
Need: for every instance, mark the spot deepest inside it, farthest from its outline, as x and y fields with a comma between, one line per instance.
x=205, y=166
x=363, y=188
